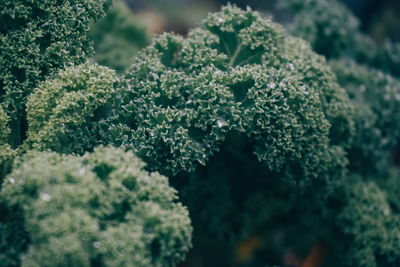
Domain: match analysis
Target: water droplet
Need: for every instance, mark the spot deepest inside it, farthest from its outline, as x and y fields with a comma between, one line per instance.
x=221, y=123
x=202, y=160
x=386, y=212
x=290, y=66
x=82, y=171
x=385, y=141
x=45, y=197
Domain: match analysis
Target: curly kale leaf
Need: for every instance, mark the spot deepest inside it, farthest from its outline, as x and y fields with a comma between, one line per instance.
x=37, y=39
x=64, y=112
x=100, y=209
x=237, y=72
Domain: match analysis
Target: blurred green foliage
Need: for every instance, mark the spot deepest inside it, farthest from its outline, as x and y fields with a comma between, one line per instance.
x=385, y=57
x=370, y=225
x=376, y=98
x=327, y=25
x=365, y=207
x=334, y=31
x=118, y=37
x=367, y=71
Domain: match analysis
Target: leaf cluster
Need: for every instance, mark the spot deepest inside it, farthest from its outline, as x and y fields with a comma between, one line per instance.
x=65, y=111
x=39, y=37
x=100, y=209
x=237, y=72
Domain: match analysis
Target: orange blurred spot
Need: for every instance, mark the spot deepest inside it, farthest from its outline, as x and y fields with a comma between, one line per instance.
x=245, y=250
x=316, y=256
x=154, y=22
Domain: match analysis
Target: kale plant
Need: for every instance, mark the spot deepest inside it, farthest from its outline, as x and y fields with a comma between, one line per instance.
x=364, y=210
x=328, y=25
x=368, y=72
x=376, y=98
x=101, y=209
x=333, y=31
x=238, y=72
x=245, y=119
x=370, y=225
x=241, y=73
x=38, y=37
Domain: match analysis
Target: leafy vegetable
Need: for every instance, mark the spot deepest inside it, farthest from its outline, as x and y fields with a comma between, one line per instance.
x=100, y=209
x=38, y=37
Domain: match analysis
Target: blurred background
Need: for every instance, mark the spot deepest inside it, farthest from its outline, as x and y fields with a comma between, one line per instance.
x=130, y=24
x=380, y=18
